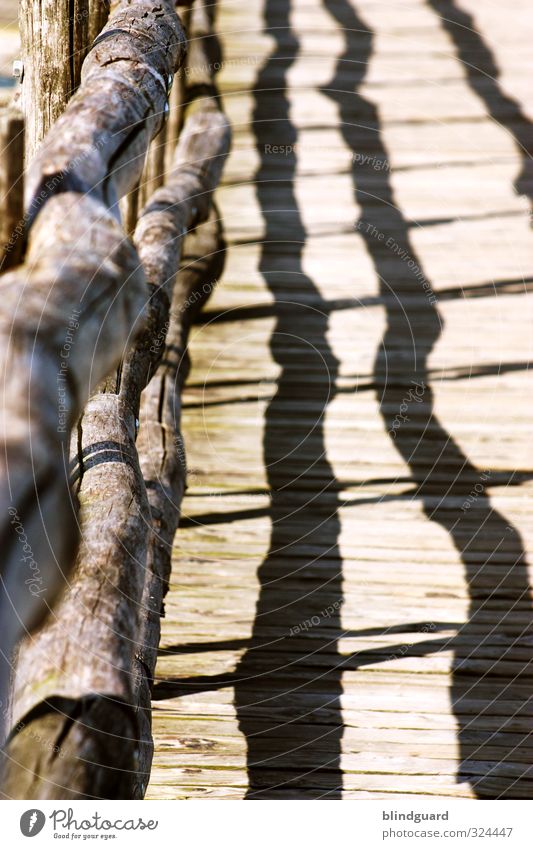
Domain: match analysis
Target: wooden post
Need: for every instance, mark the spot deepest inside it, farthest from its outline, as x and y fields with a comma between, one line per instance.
x=98, y=15
x=162, y=458
x=160, y=444
x=54, y=41
x=154, y=171
x=11, y=187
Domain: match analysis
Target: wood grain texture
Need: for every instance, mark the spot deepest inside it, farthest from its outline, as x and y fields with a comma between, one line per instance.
x=162, y=455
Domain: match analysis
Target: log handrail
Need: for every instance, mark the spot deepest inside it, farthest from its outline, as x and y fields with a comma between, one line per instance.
x=86, y=678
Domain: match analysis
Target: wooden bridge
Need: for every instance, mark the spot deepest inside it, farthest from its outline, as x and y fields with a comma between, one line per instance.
x=350, y=612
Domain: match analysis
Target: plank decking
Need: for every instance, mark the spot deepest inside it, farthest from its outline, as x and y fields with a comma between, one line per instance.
x=350, y=612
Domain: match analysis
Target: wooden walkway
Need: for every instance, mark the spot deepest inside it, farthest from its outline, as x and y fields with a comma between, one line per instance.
x=350, y=612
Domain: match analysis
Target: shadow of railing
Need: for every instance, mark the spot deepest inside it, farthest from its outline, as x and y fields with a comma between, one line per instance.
x=288, y=683
x=482, y=75
x=491, y=677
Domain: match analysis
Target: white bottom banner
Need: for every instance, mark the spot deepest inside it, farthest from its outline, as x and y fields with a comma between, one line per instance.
x=420, y=822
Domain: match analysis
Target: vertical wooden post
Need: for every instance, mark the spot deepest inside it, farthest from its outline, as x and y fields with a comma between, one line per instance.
x=11, y=187
x=176, y=99
x=98, y=15
x=54, y=41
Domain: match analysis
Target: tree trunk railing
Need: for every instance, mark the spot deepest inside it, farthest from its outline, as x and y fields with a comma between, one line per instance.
x=105, y=321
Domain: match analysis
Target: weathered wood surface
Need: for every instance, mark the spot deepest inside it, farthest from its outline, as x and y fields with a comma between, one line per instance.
x=67, y=315
x=300, y=499
x=80, y=667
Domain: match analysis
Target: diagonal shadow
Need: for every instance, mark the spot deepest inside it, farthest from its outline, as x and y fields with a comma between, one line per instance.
x=491, y=549
x=288, y=687
x=482, y=75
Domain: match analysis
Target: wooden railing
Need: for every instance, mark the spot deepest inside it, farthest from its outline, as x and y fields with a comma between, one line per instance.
x=94, y=333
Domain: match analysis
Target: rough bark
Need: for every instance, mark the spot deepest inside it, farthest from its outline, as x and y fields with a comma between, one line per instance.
x=176, y=100
x=55, y=39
